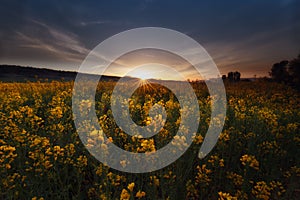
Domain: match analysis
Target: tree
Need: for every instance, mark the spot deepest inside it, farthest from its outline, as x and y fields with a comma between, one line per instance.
x=230, y=76
x=279, y=72
x=294, y=71
x=237, y=76
x=234, y=76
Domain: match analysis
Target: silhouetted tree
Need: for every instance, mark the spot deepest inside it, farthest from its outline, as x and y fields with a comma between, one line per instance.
x=294, y=71
x=237, y=76
x=234, y=76
x=230, y=76
x=279, y=72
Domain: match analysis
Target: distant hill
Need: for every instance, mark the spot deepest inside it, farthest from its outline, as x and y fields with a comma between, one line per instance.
x=14, y=73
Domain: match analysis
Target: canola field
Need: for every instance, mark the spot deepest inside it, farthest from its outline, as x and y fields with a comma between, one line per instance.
x=256, y=157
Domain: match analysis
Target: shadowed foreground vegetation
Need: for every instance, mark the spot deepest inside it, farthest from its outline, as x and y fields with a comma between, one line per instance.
x=42, y=157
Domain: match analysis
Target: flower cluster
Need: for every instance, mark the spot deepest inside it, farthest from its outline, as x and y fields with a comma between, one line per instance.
x=42, y=156
x=249, y=160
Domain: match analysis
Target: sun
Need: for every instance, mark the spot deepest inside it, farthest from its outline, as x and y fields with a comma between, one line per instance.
x=154, y=71
x=144, y=78
x=144, y=74
x=146, y=71
x=143, y=81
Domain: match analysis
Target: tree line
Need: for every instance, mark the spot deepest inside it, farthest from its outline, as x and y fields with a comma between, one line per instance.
x=287, y=72
x=232, y=76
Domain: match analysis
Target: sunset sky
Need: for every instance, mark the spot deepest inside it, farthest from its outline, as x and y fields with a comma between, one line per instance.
x=248, y=36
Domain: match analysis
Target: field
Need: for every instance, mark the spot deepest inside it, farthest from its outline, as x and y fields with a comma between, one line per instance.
x=256, y=157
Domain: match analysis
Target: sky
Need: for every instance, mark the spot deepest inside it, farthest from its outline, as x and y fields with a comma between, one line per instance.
x=245, y=36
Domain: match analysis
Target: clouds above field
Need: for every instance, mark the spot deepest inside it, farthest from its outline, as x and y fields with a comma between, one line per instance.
x=248, y=36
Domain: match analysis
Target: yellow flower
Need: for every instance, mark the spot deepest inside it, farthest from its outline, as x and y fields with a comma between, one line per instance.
x=261, y=190
x=124, y=195
x=203, y=174
x=215, y=160
x=123, y=163
x=155, y=180
x=99, y=170
x=236, y=178
x=35, y=198
x=36, y=141
x=109, y=140
x=70, y=148
x=147, y=146
x=131, y=186
x=225, y=196
x=82, y=161
x=198, y=139
x=48, y=164
x=7, y=166
x=140, y=194
x=57, y=112
x=148, y=122
x=249, y=160
x=224, y=136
